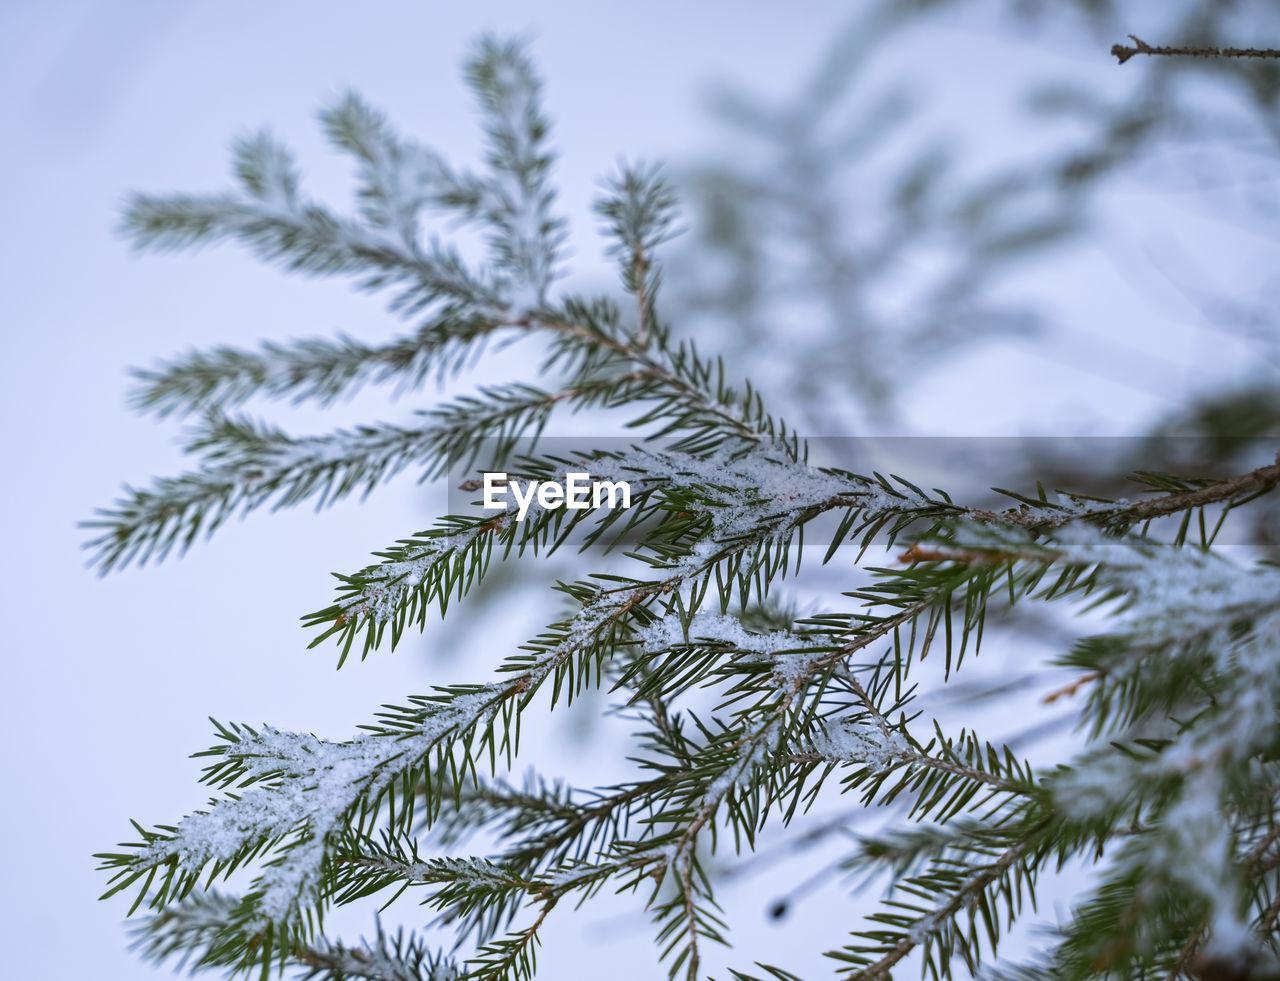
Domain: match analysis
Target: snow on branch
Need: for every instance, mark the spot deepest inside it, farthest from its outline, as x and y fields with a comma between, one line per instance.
x=1176, y=784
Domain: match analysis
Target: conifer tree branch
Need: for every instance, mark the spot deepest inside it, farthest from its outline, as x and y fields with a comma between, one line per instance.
x=1172, y=767
x=980, y=880
x=315, y=369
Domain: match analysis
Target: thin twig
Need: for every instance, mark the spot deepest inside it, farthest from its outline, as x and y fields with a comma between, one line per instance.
x=1124, y=53
x=1269, y=917
x=1186, y=954
x=640, y=265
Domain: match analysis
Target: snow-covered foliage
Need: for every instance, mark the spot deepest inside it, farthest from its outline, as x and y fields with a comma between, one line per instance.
x=1174, y=796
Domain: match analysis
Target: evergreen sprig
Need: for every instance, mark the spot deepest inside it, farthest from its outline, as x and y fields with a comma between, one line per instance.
x=746, y=716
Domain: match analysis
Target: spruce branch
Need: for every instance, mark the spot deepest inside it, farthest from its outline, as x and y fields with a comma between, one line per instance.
x=935, y=919
x=204, y=930
x=746, y=714
x=639, y=210
x=314, y=369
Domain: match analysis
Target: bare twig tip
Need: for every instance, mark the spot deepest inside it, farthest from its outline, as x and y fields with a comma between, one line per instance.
x=1123, y=53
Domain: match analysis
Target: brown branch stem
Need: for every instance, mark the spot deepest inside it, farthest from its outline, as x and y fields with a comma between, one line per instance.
x=1124, y=52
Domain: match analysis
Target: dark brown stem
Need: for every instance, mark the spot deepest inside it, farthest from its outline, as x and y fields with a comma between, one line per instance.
x=1186, y=955
x=1124, y=52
